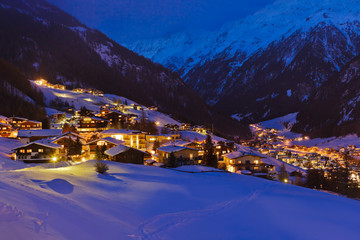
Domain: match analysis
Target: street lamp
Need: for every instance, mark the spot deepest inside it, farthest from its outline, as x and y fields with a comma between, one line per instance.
x=54, y=160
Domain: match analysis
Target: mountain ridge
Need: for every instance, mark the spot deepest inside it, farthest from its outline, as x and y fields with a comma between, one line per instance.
x=271, y=63
x=62, y=50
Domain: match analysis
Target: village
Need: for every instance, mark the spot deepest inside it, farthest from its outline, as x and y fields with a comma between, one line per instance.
x=270, y=142
x=124, y=132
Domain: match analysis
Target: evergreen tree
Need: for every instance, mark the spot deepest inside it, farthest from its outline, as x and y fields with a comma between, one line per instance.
x=142, y=122
x=77, y=147
x=283, y=175
x=171, y=161
x=156, y=145
x=164, y=130
x=84, y=111
x=46, y=123
x=315, y=179
x=102, y=150
x=98, y=154
x=68, y=128
x=209, y=158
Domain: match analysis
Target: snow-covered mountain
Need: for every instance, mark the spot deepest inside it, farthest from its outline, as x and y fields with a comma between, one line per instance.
x=268, y=64
x=45, y=42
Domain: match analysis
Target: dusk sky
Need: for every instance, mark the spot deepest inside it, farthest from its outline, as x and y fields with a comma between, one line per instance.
x=128, y=20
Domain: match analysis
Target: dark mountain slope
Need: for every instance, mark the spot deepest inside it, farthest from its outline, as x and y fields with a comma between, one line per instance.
x=335, y=108
x=45, y=42
x=17, y=96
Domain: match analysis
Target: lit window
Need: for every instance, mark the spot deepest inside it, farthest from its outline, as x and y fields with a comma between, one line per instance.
x=191, y=156
x=22, y=150
x=256, y=162
x=28, y=150
x=41, y=150
x=101, y=143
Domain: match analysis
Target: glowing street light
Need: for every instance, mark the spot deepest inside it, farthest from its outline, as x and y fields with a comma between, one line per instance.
x=54, y=160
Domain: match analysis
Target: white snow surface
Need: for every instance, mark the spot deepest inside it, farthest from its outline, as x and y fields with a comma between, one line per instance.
x=92, y=102
x=332, y=142
x=144, y=202
x=274, y=22
x=283, y=124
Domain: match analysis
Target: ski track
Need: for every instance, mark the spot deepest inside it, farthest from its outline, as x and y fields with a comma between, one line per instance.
x=151, y=230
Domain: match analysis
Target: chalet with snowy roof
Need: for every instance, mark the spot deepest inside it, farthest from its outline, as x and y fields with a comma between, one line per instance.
x=132, y=138
x=200, y=129
x=92, y=124
x=187, y=144
x=106, y=142
x=59, y=86
x=115, y=117
x=5, y=129
x=79, y=90
x=27, y=136
x=66, y=140
x=136, y=106
x=190, y=155
x=98, y=93
x=172, y=127
x=56, y=116
x=222, y=148
x=37, y=152
x=125, y=154
x=30, y=125
x=4, y=119
x=153, y=108
x=240, y=160
x=41, y=82
x=185, y=127
x=16, y=121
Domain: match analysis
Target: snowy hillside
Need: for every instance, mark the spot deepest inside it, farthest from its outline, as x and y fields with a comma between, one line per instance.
x=144, y=202
x=93, y=103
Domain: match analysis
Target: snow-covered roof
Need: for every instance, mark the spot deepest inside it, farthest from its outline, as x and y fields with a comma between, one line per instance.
x=39, y=133
x=5, y=124
x=67, y=136
x=96, y=118
x=119, y=149
x=20, y=118
x=42, y=143
x=108, y=139
x=3, y=118
x=238, y=154
x=32, y=121
x=52, y=111
x=116, y=150
x=120, y=131
x=174, y=148
x=180, y=143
